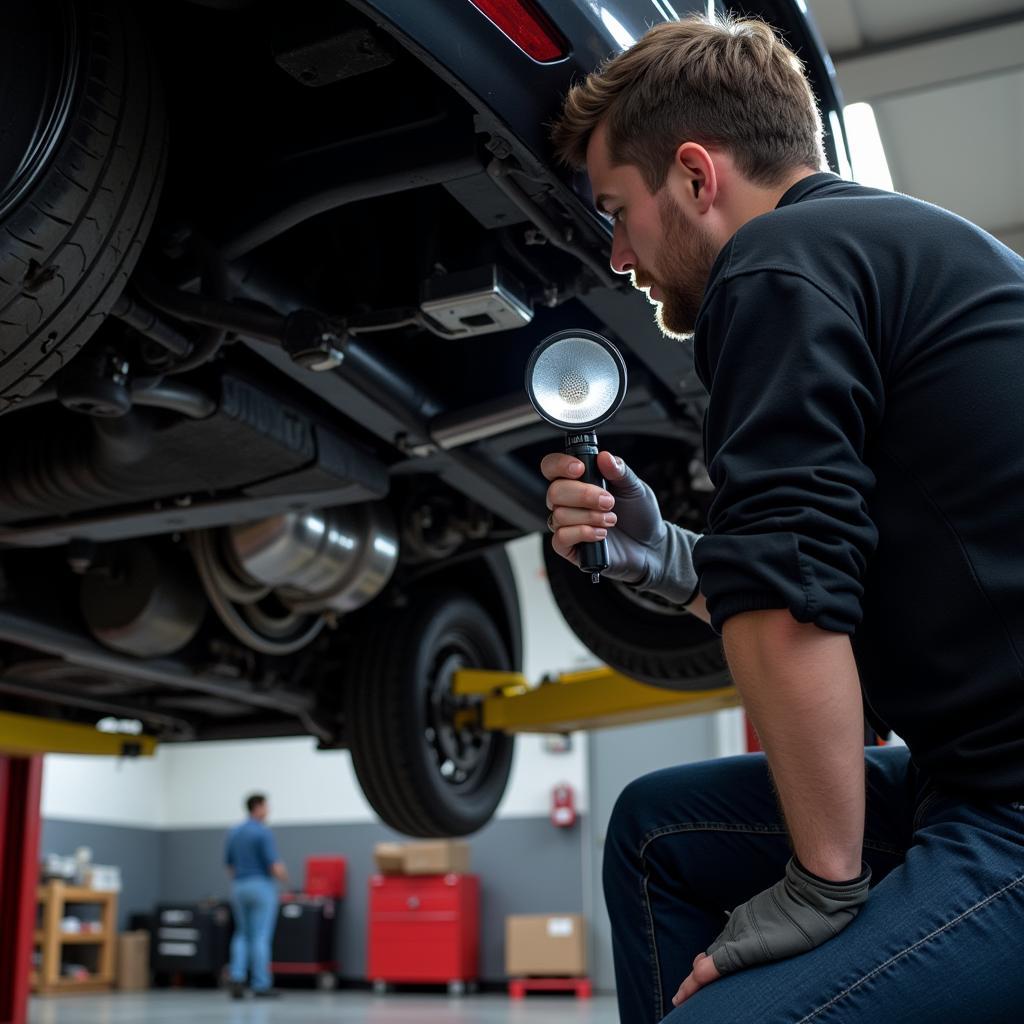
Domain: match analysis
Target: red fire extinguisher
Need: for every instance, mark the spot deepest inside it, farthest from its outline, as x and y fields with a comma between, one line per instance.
x=563, y=806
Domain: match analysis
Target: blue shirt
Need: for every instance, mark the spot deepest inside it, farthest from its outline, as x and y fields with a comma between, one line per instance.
x=250, y=850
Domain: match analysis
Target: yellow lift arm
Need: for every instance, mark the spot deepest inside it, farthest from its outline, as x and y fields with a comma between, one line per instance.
x=592, y=699
x=24, y=735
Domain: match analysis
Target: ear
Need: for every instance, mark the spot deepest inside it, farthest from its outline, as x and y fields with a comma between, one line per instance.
x=694, y=178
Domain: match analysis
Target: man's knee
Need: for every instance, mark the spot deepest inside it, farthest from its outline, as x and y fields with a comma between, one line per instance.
x=632, y=814
x=656, y=799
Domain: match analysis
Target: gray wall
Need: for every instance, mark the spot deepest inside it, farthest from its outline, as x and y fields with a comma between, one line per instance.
x=526, y=866
x=137, y=851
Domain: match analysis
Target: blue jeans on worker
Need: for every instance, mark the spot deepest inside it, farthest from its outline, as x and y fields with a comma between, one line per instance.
x=254, y=902
x=940, y=939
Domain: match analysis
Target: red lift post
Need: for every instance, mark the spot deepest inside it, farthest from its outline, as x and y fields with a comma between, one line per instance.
x=20, y=790
x=23, y=741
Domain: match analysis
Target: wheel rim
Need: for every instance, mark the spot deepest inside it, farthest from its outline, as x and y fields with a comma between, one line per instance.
x=460, y=753
x=37, y=90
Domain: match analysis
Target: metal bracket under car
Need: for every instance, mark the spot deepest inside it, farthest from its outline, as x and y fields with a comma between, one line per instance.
x=590, y=699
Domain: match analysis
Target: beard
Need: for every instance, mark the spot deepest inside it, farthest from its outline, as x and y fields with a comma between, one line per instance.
x=681, y=271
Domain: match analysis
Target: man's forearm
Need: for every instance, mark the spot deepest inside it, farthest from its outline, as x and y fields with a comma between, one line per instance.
x=800, y=687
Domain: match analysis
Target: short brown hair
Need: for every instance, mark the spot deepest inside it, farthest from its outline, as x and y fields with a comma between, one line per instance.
x=725, y=81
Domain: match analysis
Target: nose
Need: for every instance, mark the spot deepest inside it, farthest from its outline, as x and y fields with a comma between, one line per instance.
x=623, y=258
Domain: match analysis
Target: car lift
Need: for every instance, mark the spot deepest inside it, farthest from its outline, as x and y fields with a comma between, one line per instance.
x=589, y=699
x=23, y=741
x=500, y=701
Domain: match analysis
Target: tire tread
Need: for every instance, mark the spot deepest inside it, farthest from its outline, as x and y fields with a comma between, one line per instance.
x=114, y=152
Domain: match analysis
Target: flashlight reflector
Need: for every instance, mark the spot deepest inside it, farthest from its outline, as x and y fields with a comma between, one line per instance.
x=576, y=379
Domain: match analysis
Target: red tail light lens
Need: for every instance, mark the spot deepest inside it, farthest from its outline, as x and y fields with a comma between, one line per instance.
x=527, y=26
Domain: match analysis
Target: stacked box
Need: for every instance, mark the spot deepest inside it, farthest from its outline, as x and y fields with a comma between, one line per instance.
x=430, y=857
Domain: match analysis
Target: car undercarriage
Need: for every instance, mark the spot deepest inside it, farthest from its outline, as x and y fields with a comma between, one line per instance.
x=269, y=278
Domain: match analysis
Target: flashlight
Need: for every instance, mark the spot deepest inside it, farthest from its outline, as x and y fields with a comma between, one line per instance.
x=576, y=381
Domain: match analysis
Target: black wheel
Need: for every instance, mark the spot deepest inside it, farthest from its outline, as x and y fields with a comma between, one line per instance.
x=423, y=771
x=80, y=173
x=638, y=634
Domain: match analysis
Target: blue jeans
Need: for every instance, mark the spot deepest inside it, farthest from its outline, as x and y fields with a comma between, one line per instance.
x=940, y=939
x=254, y=902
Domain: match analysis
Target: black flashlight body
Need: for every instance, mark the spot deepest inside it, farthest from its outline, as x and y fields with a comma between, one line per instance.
x=583, y=446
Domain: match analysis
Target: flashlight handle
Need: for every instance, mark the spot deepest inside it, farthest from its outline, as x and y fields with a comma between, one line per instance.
x=594, y=555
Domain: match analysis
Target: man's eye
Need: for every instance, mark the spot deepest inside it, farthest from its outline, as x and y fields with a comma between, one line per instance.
x=615, y=216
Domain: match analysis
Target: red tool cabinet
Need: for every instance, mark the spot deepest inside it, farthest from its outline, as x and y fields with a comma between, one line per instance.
x=424, y=928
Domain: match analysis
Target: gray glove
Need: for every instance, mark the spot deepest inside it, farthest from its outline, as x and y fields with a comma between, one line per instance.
x=793, y=916
x=643, y=549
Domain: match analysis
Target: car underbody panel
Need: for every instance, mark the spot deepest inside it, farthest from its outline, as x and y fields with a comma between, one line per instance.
x=267, y=311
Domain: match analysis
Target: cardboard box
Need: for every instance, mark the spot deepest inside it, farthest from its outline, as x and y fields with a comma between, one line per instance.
x=545, y=945
x=437, y=857
x=429, y=857
x=133, y=961
x=389, y=858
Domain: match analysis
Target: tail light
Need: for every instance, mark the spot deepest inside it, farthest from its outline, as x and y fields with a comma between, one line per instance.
x=527, y=26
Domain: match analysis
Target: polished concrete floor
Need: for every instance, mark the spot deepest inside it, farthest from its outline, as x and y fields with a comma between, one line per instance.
x=297, y=1007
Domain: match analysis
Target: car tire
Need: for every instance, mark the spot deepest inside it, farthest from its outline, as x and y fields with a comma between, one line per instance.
x=84, y=139
x=407, y=756
x=636, y=634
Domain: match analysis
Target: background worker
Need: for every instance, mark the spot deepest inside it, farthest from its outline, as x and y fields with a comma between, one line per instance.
x=864, y=357
x=255, y=869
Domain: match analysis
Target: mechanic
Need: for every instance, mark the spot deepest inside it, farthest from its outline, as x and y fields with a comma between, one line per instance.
x=864, y=356
x=255, y=869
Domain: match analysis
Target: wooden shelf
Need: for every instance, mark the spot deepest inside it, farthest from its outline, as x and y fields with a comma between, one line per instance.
x=74, y=893
x=54, y=898
x=74, y=938
x=92, y=983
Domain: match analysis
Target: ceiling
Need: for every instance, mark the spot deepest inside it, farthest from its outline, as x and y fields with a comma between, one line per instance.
x=946, y=81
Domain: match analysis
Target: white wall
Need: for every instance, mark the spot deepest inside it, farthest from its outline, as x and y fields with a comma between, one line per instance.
x=549, y=646
x=205, y=783
x=105, y=790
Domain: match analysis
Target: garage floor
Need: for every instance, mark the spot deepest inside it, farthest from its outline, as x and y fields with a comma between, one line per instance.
x=319, y=1008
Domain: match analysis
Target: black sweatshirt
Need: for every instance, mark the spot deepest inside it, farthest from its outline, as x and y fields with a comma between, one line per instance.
x=864, y=353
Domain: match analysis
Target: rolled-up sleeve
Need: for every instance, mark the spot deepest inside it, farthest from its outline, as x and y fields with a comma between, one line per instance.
x=795, y=396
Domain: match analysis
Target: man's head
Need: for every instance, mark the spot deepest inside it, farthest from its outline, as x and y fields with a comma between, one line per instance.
x=256, y=805
x=694, y=130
